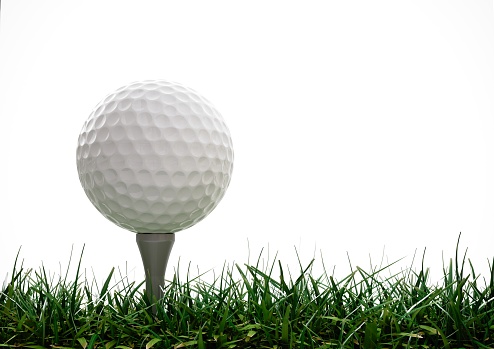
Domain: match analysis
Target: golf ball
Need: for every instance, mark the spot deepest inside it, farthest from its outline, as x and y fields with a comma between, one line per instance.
x=155, y=157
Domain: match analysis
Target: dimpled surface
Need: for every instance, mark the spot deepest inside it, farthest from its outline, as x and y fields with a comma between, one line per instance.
x=155, y=157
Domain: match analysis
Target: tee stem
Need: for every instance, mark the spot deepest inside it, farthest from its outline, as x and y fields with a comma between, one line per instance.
x=155, y=250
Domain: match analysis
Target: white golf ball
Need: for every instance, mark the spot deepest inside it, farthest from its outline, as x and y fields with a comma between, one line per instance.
x=155, y=157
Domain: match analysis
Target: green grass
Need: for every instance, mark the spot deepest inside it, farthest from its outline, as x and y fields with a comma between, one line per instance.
x=248, y=307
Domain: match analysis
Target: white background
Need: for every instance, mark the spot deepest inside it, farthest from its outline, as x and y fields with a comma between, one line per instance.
x=358, y=127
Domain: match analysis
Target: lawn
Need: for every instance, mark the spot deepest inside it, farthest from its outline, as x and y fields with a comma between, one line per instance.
x=247, y=306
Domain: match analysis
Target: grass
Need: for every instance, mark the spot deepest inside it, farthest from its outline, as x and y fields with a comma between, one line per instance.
x=248, y=307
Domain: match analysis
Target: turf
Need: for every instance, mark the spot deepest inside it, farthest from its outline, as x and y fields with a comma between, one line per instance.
x=249, y=307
